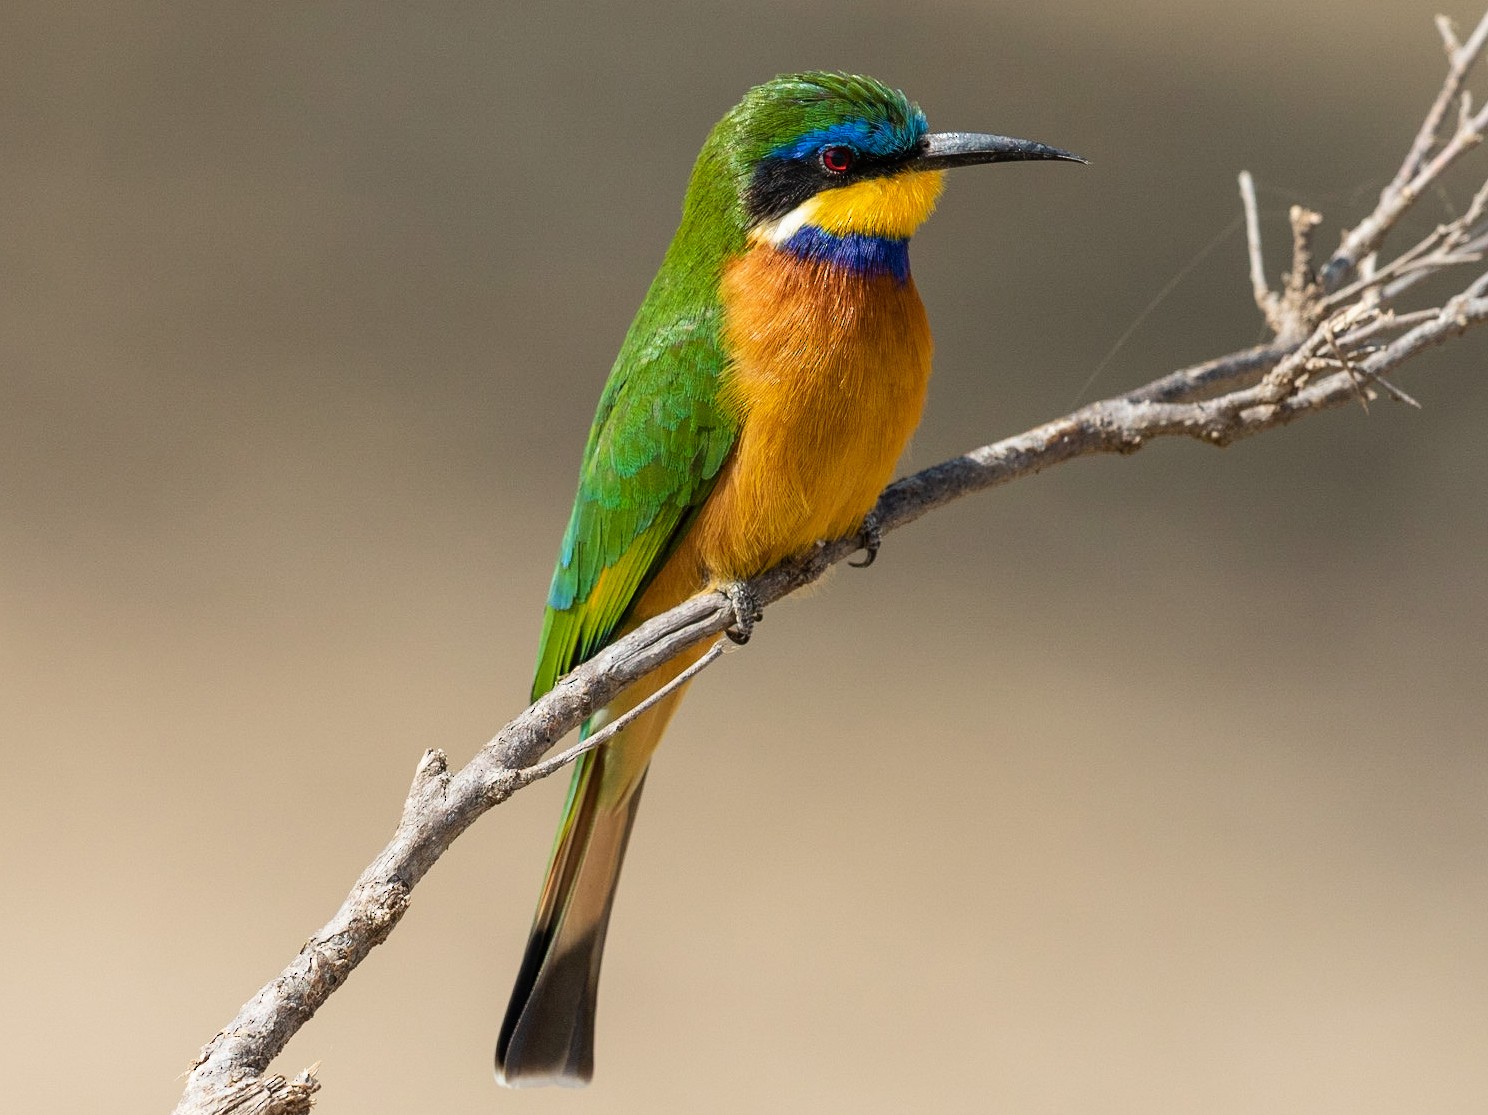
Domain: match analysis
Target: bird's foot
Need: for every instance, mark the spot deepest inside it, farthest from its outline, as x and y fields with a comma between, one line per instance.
x=870, y=538
x=747, y=610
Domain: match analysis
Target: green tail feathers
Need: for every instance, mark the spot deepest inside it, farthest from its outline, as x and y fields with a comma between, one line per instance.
x=547, y=1036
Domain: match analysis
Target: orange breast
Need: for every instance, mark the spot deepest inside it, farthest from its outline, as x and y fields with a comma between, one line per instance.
x=828, y=375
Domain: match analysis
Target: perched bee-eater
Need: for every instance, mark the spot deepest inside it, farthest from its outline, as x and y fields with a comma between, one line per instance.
x=759, y=403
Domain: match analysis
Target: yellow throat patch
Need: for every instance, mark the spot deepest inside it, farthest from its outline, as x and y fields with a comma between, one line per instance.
x=892, y=207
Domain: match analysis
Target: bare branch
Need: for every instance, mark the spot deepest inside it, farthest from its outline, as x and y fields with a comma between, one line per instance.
x=1415, y=172
x=557, y=762
x=1461, y=59
x=271, y=1096
x=1449, y=36
x=1265, y=298
x=1299, y=300
x=1335, y=342
x=1295, y=310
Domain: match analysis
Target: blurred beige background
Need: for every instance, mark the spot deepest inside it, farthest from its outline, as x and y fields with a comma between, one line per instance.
x=305, y=309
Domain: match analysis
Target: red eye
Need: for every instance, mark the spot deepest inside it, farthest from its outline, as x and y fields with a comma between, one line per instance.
x=838, y=160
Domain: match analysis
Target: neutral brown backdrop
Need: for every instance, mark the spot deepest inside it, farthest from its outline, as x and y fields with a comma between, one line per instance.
x=1151, y=784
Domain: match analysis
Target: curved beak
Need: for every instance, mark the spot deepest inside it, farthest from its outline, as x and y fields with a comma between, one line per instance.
x=941, y=150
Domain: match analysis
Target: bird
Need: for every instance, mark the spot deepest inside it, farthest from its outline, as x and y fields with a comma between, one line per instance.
x=759, y=403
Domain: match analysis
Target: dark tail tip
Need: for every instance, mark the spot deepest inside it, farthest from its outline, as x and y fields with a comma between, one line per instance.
x=547, y=1036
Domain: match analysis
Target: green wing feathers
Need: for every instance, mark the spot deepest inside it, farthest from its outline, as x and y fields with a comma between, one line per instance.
x=654, y=453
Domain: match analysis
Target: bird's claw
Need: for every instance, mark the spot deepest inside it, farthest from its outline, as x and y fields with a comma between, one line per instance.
x=870, y=538
x=747, y=611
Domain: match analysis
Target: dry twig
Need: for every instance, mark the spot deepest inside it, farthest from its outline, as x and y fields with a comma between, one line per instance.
x=1336, y=336
x=1420, y=168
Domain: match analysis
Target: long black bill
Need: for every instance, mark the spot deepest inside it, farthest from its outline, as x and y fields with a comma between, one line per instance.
x=942, y=150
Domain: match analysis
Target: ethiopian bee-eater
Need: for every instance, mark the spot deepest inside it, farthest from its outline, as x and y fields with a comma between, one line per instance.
x=760, y=401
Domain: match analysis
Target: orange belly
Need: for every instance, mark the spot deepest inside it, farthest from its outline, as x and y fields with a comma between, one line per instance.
x=828, y=375
x=828, y=378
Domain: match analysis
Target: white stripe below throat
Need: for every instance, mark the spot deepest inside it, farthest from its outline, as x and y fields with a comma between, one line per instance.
x=781, y=229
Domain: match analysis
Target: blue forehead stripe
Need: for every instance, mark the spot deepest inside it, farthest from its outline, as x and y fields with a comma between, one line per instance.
x=876, y=137
x=862, y=255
